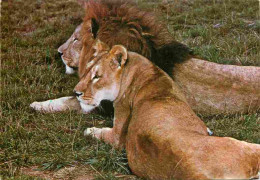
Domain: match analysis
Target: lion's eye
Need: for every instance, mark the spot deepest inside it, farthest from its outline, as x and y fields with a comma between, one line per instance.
x=75, y=39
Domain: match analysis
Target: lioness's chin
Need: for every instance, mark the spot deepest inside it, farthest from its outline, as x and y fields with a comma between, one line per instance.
x=87, y=108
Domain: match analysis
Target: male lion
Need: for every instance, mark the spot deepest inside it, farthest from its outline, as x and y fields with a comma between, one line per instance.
x=70, y=51
x=163, y=137
x=210, y=88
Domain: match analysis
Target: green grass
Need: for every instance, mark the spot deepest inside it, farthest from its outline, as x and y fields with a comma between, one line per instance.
x=31, y=70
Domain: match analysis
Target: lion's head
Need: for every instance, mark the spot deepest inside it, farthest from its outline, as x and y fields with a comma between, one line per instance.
x=120, y=22
x=70, y=51
x=102, y=78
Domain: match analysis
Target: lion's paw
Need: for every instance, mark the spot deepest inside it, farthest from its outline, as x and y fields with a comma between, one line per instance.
x=45, y=106
x=37, y=106
x=94, y=132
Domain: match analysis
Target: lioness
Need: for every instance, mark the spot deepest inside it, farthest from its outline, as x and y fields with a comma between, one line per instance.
x=210, y=88
x=163, y=137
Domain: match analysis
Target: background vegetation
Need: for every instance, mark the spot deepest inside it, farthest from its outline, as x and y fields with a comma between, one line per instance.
x=224, y=31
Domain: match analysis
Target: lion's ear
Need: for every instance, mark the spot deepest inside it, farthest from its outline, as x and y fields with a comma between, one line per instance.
x=94, y=27
x=119, y=55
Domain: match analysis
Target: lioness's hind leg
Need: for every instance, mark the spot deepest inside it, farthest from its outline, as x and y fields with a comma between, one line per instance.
x=57, y=105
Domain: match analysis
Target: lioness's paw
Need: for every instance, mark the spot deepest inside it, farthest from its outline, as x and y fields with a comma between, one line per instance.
x=94, y=132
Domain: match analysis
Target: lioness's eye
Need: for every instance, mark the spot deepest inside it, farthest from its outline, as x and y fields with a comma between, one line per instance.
x=96, y=76
x=75, y=39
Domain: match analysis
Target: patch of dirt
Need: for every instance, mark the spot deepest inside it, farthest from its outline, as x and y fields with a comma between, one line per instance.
x=76, y=173
x=32, y=171
x=83, y=172
x=70, y=173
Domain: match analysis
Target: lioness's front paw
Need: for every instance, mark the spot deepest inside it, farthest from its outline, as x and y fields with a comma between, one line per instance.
x=94, y=132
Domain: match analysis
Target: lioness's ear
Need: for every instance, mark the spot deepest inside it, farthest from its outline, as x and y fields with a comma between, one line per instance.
x=119, y=55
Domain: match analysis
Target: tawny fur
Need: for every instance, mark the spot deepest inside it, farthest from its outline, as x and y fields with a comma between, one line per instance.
x=201, y=81
x=163, y=137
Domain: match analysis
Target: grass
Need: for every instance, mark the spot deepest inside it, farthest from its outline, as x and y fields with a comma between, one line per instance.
x=220, y=31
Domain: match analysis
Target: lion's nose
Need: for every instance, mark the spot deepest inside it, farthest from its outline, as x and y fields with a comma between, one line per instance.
x=78, y=93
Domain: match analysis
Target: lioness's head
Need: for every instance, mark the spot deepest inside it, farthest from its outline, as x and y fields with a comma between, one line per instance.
x=101, y=80
x=70, y=51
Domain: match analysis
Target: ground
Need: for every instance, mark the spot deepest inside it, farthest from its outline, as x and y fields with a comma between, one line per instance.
x=52, y=146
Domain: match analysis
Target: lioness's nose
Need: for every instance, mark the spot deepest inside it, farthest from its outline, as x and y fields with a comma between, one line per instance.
x=60, y=54
x=78, y=93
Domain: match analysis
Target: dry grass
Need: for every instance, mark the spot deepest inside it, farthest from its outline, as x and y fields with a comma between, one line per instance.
x=221, y=31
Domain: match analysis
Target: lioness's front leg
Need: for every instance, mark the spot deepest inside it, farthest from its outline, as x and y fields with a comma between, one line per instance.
x=57, y=105
x=115, y=136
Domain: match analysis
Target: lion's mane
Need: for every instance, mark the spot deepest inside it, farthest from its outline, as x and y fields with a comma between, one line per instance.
x=120, y=22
